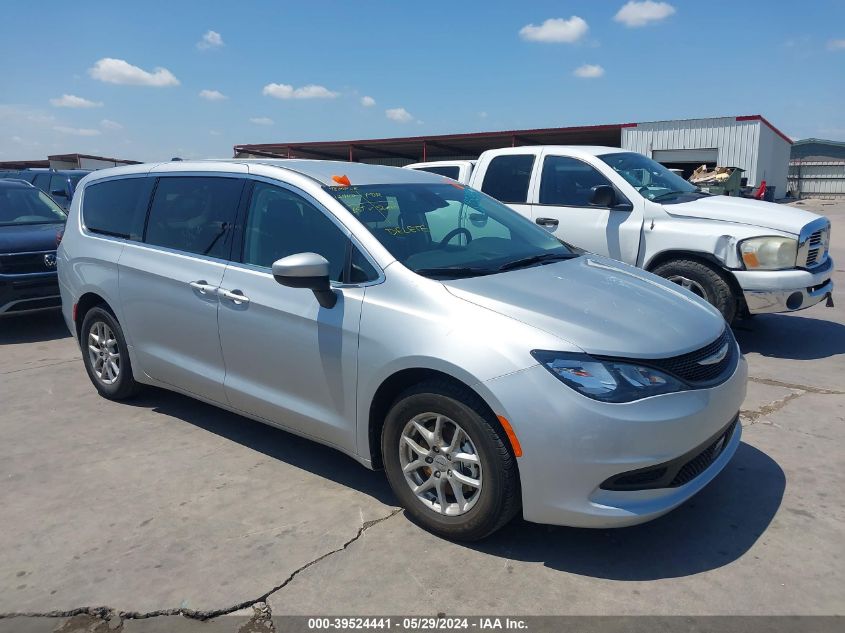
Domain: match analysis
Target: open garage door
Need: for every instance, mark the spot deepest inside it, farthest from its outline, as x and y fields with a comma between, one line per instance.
x=686, y=160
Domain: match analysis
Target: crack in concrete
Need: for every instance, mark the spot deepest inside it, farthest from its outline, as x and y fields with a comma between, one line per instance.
x=262, y=614
x=788, y=385
x=751, y=417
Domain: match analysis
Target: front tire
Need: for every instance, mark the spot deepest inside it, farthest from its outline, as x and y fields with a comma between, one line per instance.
x=448, y=462
x=704, y=281
x=106, y=356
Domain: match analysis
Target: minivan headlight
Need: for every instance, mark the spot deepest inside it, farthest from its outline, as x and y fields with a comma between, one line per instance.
x=607, y=380
x=768, y=253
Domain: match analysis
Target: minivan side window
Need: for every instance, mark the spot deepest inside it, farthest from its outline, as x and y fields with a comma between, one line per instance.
x=117, y=207
x=281, y=223
x=568, y=181
x=194, y=214
x=508, y=176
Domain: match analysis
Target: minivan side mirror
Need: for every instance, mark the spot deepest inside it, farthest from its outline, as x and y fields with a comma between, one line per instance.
x=306, y=270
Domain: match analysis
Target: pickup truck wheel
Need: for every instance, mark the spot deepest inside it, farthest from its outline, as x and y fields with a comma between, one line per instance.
x=702, y=280
x=448, y=462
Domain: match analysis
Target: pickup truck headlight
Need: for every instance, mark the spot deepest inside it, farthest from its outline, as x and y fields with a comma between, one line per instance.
x=768, y=253
x=607, y=380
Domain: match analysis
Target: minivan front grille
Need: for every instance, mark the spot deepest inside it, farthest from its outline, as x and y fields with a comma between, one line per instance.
x=22, y=263
x=705, y=365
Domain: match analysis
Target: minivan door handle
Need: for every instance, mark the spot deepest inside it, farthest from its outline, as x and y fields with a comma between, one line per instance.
x=548, y=223
x=236, y=296
x=202, y=286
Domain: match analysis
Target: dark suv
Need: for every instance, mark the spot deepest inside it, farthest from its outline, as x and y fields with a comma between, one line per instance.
x=31, y=224
x=60, y=184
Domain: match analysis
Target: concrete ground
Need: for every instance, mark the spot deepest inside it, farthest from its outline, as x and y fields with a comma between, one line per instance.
x=165, y=505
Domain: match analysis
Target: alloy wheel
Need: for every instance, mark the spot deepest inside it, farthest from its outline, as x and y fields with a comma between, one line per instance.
x=441, y=464
x=103, y=353
x=690, y=284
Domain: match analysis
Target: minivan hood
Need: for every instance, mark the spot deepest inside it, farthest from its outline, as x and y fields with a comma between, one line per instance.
x=22, y=238
x=600, y=305
x=779, y=217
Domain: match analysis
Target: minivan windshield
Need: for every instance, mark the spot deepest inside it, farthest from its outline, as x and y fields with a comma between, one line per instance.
x=651, y=179
x=28, y=205
x=449, y=230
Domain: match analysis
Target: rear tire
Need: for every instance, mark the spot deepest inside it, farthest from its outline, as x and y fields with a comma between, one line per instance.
x=106, y=355
x=440, y=439
x=702, y=280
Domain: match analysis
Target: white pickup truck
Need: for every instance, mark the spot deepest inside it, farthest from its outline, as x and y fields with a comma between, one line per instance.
x=743, y=256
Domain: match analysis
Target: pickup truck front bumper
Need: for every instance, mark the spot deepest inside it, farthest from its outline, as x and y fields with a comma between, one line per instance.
x=785, y=290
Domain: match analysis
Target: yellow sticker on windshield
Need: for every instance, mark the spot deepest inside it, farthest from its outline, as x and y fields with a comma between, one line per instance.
x=399, y=231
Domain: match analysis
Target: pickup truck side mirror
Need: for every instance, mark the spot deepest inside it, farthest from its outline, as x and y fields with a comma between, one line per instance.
x=306, y=270
x=605, y=196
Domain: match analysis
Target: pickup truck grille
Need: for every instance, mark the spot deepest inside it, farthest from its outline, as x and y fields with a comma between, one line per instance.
x=815, y=244
x=813, y=252
x=23, y=263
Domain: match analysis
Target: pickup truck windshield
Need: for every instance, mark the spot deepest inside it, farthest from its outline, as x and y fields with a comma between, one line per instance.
x=449, y=230
x=28, y=205
x=651, y=179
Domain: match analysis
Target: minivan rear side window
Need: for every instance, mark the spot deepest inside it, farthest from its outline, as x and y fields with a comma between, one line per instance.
x=117, y=207
x=194, y=214
x=508, y=176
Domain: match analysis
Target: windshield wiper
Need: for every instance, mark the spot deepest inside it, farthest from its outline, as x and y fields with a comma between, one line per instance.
x=677, y=193
x=454, y=271
x=536, y=259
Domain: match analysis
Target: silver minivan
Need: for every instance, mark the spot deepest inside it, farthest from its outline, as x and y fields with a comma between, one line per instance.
x=413, y=323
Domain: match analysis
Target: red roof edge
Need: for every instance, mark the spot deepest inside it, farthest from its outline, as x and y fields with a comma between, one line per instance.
x=760, y=117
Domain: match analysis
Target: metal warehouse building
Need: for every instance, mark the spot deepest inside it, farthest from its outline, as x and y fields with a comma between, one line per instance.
x=748, y=142
x=817, y=169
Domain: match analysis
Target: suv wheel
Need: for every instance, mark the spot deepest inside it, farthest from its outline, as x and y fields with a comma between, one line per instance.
x=448, y=463
x=105, y=355
x=702, y=280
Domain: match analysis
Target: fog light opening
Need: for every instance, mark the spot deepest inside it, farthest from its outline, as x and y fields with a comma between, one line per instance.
x=794, y=301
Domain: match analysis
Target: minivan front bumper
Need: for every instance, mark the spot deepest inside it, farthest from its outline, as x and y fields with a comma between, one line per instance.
x=574, y=446
x=785, y=290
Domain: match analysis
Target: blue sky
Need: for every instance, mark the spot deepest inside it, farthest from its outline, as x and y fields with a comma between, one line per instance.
x=82, y=76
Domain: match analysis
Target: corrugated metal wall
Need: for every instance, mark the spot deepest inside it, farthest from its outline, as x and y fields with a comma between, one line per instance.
x=738, y=142
x=817, y=179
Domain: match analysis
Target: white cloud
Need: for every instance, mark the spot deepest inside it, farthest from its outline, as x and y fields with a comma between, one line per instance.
x=588, y=71
x=212, y=95
x=482, y=114
x=261, y=120
x=635, y=14
x=76, y=131
x=214, y=132
x=119, y=71
x=368, y=102
x=556, y=30
x=72, y=101
x=398, y=114
x=836, y=45
x=108, y=124
x=211, y=39
x=286, y=91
